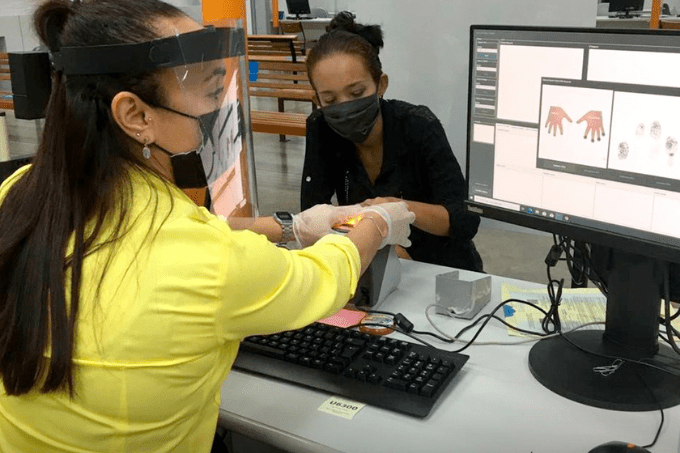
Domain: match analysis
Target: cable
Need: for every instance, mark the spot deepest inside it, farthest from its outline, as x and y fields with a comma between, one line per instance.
x=438, y=337
x=499, y=343
x=671, y=332
x=393, y=328
x=555, y=295
x=611, y=357
x=651, y=392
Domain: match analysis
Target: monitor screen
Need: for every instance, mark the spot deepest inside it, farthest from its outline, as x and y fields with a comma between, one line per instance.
x=576, y=132
x=625, y=5
x=298, y=7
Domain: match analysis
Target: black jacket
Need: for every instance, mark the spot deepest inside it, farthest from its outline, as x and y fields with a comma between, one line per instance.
x=418, y=165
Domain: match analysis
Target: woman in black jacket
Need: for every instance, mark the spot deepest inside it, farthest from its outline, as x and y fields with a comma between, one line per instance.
x=368, y=150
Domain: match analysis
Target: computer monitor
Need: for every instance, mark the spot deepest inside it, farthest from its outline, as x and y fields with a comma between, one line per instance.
x=298, y=7
x=576, y=132
x=624, y=8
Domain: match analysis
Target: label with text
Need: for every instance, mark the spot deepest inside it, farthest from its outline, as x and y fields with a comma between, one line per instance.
x=341, y=407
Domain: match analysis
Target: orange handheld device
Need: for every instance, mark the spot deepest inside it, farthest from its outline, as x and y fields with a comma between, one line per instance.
x=346, y=225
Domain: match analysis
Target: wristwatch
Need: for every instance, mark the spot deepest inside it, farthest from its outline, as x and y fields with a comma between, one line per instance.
x=285, y=219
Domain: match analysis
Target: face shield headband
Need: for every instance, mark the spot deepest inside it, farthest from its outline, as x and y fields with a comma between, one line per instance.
x=199, y=46
x=197, y=168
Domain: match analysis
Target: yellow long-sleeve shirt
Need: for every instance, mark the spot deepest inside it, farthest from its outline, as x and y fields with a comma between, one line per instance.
x=157, y=336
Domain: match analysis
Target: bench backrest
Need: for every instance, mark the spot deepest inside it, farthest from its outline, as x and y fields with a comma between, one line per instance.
x=281, y=79
x=276, y=47
x=5, y=93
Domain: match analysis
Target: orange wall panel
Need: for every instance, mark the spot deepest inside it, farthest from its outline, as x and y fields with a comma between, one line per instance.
x=214, y=10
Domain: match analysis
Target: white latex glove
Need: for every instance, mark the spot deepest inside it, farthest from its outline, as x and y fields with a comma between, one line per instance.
x=312, y=224
x=398, y=219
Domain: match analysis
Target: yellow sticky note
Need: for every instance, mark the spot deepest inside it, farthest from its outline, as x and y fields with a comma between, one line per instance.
x=341, y=407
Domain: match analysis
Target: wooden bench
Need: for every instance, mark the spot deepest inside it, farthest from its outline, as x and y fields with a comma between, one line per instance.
x=283, y=80
x=6, y=102
x=282, y=123
x=276, y=47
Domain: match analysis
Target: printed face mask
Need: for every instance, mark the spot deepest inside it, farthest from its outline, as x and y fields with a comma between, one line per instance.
x=353, y=120
x=199, y=168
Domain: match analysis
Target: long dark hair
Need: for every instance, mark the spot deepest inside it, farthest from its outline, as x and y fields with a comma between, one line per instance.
x=346, y=36
x=77, y=183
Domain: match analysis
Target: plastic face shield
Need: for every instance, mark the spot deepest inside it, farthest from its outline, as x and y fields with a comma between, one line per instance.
x=201, y=77
x=208, y=88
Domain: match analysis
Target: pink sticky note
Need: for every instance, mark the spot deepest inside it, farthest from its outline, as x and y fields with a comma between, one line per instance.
x=344, y=318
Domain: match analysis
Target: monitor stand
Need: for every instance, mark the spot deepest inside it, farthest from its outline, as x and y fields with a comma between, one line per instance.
x=631, y=331
x=628, y=14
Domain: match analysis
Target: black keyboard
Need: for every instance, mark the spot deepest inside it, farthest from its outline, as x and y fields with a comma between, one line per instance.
x=384, y=372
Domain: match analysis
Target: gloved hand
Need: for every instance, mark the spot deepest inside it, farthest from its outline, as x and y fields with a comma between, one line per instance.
x=312, y=224
x=398, y=219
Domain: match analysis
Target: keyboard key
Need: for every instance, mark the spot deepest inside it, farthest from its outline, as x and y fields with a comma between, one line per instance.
x=317, y=363
x=397, y=384
x=428, y=390
x=374, y=378
x=355, y=342
x=305, y=361
x=434, y=384
x=420, y=381
x=333, y=367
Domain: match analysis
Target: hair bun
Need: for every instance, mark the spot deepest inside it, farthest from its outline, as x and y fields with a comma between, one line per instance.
x=372, y=33
x=49, y=21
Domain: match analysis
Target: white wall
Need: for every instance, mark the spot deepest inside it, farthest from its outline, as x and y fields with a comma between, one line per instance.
x=427, y=46
x=17, y=29
x=426, y=49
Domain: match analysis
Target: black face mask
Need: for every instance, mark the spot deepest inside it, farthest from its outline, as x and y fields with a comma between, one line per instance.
x=187, y=168
x=353, y=120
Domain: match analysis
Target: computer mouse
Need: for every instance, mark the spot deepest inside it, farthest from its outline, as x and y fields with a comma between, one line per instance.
x=619, y=447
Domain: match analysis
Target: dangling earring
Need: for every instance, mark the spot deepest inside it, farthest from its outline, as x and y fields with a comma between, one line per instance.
x=146, y=151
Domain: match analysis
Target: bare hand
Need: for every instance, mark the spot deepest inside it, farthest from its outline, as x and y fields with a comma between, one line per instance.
x=555, y=117
x=594, y=121
x=402, y=253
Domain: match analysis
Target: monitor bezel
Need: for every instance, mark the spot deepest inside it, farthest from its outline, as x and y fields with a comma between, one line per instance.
x=635, y=8
x=632, y=244
x=307, y=11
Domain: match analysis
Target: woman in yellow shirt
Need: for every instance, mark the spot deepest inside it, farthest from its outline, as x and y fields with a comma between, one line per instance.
x=122, y=303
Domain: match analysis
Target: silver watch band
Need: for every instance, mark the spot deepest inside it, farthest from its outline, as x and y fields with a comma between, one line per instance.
x=287, y=234
x=285, y=219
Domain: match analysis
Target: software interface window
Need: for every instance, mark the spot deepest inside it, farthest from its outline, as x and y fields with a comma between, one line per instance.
x=579, y=127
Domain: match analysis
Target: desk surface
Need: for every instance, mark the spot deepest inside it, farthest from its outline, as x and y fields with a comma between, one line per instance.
x=493, y=405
